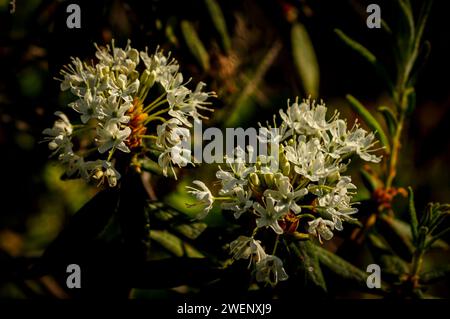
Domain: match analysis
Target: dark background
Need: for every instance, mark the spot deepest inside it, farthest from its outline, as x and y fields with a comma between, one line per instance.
x=35, y=43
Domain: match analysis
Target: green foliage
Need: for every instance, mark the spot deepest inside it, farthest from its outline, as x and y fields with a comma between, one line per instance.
x=305, y=59
x=369, y=120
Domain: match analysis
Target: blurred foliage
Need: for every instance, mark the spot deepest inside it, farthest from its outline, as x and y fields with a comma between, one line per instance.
x=253, y=54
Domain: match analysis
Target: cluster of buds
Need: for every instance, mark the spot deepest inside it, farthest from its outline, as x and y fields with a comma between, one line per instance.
x=300, y=190
x=119, y=100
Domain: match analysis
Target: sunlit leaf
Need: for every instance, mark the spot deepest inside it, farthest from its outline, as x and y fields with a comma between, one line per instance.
x=371, y=122
x=219, y=23
x=305, y=59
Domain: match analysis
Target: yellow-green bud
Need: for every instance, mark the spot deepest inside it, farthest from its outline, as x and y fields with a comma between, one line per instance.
x=254, y=180
x=98, y=174
x=268, y=178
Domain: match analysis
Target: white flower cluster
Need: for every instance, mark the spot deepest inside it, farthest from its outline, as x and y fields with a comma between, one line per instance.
x=115, y=109
x=304, y=191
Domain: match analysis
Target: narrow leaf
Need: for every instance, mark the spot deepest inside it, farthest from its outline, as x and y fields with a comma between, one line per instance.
x=367, y=55
x=393, y=264
x=174, y=244
x=389, y=117
x=305, y=251
x=406, y=32
x=437, y=236
x=356, y=46
x=435, y=275
x=398, y=234
x=371, y=122
x=411, y=101
x=343, y=268
x=424, y=13
x=153, y=167
x=219, y=23
x=412, y=214
x=194, y=44
x=170, y=218
x=369, y=181
x=305, y=59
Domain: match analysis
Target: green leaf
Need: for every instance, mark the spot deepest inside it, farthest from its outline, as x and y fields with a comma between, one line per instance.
x=411, y=101
x=343, y=268
x=175, y=220
x=367, y=55
x=422, y=21
x=305, y=59
x=390, y=119
x=357, y=47
x=385, y=26
x=420, y=62
x=371, y=122
x=219, y=23
x=436, y=237
x=170, y=31
x=369, y=181
x=392, y=264
x=412, y=214
x=194, y=44
x=406, y=28
x=174, y=244
x=305, y=251
x=435, y=275
x=83, y=229
x=398, y=235
x=153, y=167
x=379, y=242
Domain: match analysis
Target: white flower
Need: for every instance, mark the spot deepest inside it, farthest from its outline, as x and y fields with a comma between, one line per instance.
x=124, y=88
x=170, y=134
x=124, y=61
x=362, y=142
x=180, y=155
x=177, y=155
x=309, y=160
x=111, y=174
x=115, y=110
x=273, y=136
x=74, y=75
x=321, y=228
x=270, y=270
x=247, y=248
x=111, y=136
x=269, y=215
x=237, y=177
x=203, y=196
x=284, y=195
x=241, y=202
x=165, y=162
x=337, y=202
x=163, y=67
x=307, y=118
x=88, y=106
x=59, y=134
x=74, y=164
x=356, y=140
x=100, y=170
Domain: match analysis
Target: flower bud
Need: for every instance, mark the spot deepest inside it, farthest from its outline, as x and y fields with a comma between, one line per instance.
x=254, y=180
x=144, y=76
x=268, y=179
x=333, y=177
x=285, y=168
x=98, y=174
